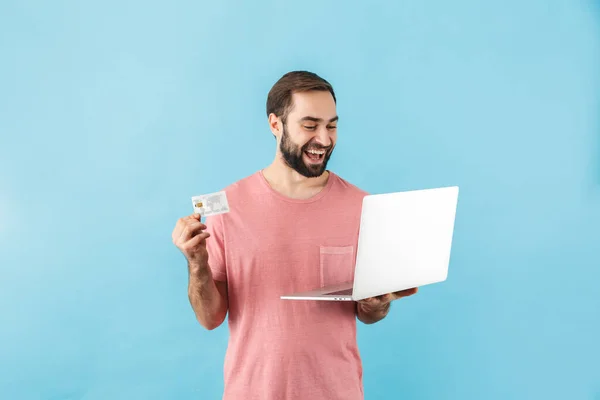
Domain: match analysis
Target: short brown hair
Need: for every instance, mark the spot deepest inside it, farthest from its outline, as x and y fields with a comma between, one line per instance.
x=279, y=100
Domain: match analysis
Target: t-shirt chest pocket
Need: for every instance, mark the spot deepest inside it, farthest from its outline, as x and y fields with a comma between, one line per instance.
x=336, y=264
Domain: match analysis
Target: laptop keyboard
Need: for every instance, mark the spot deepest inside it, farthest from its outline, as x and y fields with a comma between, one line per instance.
x=345, y=292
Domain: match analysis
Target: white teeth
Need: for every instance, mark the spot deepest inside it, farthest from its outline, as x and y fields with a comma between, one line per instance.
x=319, y=152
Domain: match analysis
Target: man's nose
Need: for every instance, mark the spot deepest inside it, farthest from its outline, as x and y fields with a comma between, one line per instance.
x=323, y=137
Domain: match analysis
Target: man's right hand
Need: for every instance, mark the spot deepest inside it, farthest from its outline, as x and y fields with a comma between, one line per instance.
x=207, y=297
x=189, y=237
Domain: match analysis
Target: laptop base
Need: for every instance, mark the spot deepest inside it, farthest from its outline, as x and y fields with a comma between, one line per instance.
x=341, y=292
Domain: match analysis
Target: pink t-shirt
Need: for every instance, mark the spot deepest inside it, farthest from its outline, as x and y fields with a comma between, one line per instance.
x=269, y=245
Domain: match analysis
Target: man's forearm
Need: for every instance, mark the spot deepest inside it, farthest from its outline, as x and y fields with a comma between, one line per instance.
x=208, y=303
x=371, y=314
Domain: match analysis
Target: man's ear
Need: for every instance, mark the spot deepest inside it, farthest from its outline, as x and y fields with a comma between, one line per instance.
x=276, y=125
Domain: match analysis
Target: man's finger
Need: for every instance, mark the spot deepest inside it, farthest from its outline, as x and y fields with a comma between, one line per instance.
x=191, y=229
x=369, y=301
x=193, y=242
x=385, y=298
x=405, y=293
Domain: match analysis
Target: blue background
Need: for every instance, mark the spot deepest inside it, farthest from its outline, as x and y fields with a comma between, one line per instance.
x=112, y=114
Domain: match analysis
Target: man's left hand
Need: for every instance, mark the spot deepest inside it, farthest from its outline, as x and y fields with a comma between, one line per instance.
x=384, y=299
x=373, y=309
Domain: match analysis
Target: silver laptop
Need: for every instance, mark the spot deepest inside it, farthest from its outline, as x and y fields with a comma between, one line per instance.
x=404, y=242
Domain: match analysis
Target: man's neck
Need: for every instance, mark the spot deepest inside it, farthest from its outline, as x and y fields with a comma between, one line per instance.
x=290, y=183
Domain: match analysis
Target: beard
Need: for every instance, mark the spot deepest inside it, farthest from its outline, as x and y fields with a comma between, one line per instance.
x=293, y=156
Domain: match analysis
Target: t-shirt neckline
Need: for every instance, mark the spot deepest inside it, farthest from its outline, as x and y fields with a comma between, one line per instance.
x=312, y=199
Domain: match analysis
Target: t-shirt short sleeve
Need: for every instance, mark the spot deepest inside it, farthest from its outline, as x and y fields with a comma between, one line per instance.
x=215, y=246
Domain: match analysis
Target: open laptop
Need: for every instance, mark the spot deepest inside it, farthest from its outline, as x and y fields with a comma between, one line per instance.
x=404, y=242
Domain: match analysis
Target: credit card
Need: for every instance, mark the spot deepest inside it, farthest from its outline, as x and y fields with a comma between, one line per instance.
x=210, y=204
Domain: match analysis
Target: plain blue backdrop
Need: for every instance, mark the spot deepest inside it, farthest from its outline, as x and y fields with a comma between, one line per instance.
x=112, y=114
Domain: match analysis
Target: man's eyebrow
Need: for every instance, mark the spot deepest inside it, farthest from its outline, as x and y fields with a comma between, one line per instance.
x=314, y=119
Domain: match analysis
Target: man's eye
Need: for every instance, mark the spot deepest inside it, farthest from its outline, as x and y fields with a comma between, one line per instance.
x=332, y=127
x=310, y=128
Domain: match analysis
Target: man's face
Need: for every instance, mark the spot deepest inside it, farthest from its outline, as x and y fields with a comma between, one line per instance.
x=309, y=133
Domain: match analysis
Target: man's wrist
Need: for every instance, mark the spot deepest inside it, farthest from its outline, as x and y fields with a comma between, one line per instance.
x=199, y=273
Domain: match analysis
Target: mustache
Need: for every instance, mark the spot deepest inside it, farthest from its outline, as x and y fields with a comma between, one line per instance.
x=309, y=146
